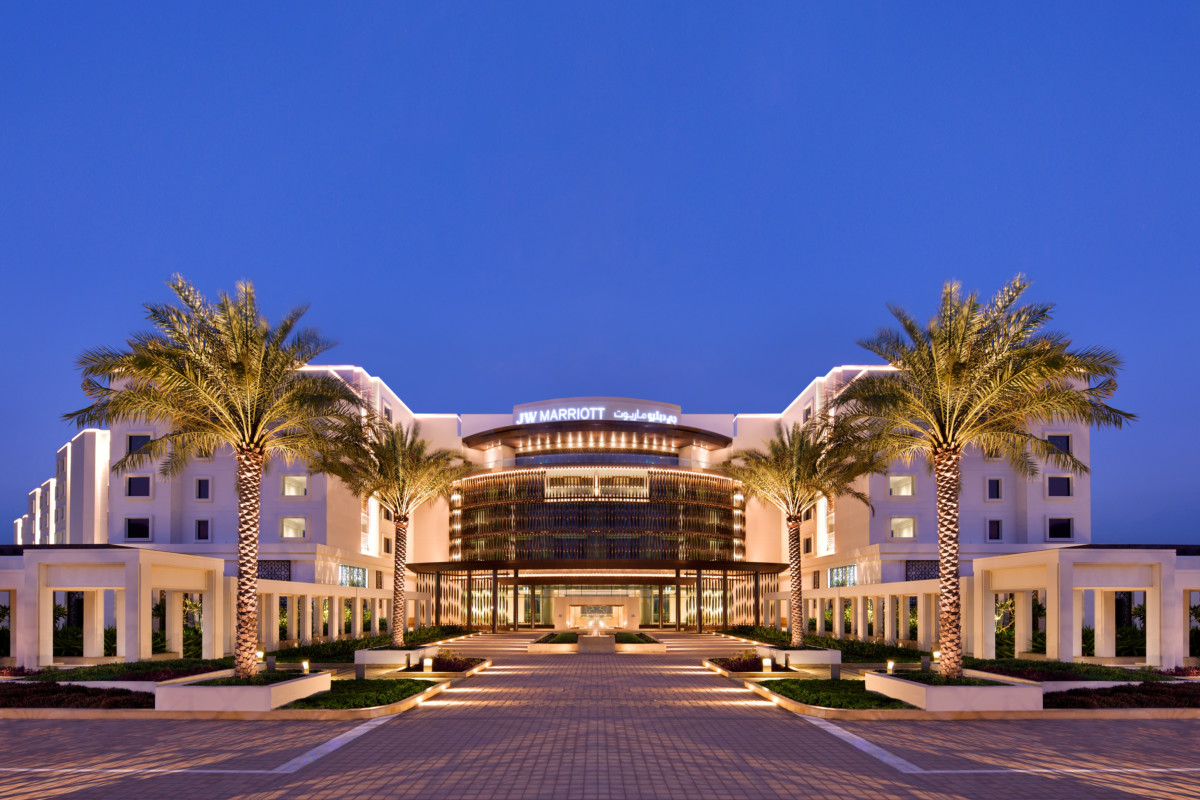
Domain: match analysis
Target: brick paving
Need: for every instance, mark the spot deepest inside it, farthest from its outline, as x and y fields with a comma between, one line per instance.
x=599, y=727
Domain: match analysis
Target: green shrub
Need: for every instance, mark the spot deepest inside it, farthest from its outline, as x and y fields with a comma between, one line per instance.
x=1181, y=694
x=628, y=637
x=558, y=638
x=261, y=679
x=364, y=694
x=52, y=695
x=342, y=652
x=136, y=670
x=1061, y=670
x=932, y=678
x=832, y=693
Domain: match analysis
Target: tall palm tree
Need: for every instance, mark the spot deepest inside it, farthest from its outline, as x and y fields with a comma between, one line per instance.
x=397, y=468
x=983, y=375
x=800, y=465
x=219, y=375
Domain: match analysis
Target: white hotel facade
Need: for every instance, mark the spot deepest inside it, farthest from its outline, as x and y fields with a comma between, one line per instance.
x=576, y=503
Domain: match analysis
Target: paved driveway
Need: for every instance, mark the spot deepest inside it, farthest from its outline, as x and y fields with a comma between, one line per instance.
x=625, y=726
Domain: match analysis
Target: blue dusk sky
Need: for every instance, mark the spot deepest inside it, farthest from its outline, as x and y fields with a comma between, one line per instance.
x=705, y=204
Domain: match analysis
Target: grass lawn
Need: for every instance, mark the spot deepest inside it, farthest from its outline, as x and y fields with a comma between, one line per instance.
x=832, y=694
x=52, y=695
x=136, y=671
x=1062, y=670
x=558, y=638
x=363, y=694
x=628, y=637
x=1179, y=694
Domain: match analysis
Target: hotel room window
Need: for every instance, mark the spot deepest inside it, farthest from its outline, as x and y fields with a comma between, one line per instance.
x=1060, y=528
x=295, y=485
x=902, y=485
x=293, y=527
x=137, y=486
x=904, y=527
x=1058, y=486
x=993, y=489
x=1060, y=440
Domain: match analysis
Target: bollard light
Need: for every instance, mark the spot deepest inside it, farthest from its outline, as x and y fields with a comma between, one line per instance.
x=304, y=666
x=260, y=655
x=891, y=667
x=766, y=665
x=428, y=664
x=937, y=655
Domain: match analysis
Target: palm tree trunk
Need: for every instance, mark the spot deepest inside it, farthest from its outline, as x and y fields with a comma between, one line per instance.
x=396, y=622
x=249, y=494
x=796, y=618
x=948, y=476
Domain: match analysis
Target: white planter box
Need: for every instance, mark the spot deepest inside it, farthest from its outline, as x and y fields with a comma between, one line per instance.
x=386, y=657
x=801, y=658
x=597, y=644
x=189, y=697
x=149, y=686
x=1003, y=697
x=1048, y=686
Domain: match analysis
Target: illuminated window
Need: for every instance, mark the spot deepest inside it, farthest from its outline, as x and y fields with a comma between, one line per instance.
x=137, y=486
x=293, y=527
x=295, y=485
x=902, y=485
x=352, y=576
x=843, y=576
x=904, y=527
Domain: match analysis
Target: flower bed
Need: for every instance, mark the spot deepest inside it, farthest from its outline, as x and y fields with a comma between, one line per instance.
x=53, y=695
x=445, y=661
x=831, y=693
x=142, y=671
x=1182, y=694
x=364, y=693
x=1056, y=671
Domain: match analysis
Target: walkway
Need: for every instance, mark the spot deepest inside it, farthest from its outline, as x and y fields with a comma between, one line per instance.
x=624, y=726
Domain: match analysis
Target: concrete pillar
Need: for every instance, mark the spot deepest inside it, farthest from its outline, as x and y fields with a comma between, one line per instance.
x=376, y=610
x=173, y=609
x=821, y=629
x=983, y=610
x=1022, y=622
x=270, y=621
x=356, y=617
x=889, y=619
x=212, y=616
x=1060, y=611
x=966, y=618
x=93, y=624
x=925, y=619
x=859, y=612
x=1106, y=623
x=1077, y=627
x=293, y=622
x=135, y=612
x=1155, y=631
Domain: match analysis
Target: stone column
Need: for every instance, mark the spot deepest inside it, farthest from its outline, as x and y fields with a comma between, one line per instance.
x=212, y=616
x=984, y=610
x=860, y=617
x=1060, y=612
x=270, y=622
x=376, y=611
x=93, y=624
x=1022, y=622
x=924, y=621
x=889, y=620
x=173, y=608
x=136, y=612
x=356, y=617
x=1106, y=623
x=293, y=623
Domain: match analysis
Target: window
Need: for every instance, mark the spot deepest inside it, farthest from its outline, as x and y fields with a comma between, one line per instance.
x=1060, y=440
x=203, y=486
x=352, y=576
x=387, y=515
x=295, y=485
x=904, y=527
x=993, y=489
x=921, y=570
x=807, y=545
x=807, y=413
x=816, y=580
x=994, y=530
x=902, y=485
x=1060, y=528
x=843, y=576
x=137, y=528
x=1058, y=486
x=136, y=441
x=387, y=545
x=203, y=530
x=292, y=527
x=387, y=413
x=137, y=486
x=275, y=570
x=808, y=514
x=378, y=579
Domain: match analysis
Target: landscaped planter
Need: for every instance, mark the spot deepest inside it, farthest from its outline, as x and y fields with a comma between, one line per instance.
x=388, y=657
x=646, y=647
x=1001, y=697
x=148, y=686
x=189, y=697
x=543, y=649
x=749, y=676
x=596, y=644
x=443, y=676
x=1048, y=686
x=800, y=658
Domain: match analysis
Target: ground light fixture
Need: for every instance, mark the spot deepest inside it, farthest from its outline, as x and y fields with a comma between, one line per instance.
x=891, y=667
x=766, y=665
x=428, y=664
x=304, y=666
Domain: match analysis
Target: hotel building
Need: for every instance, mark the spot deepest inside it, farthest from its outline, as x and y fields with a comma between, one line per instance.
x=580, y=509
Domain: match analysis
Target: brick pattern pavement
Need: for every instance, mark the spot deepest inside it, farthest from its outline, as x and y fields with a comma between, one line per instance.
x=598, y=727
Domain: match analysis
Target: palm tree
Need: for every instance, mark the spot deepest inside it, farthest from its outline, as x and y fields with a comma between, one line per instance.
x=800, y=465
x=219, y=375
x=978, y=375
x=397, y=468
